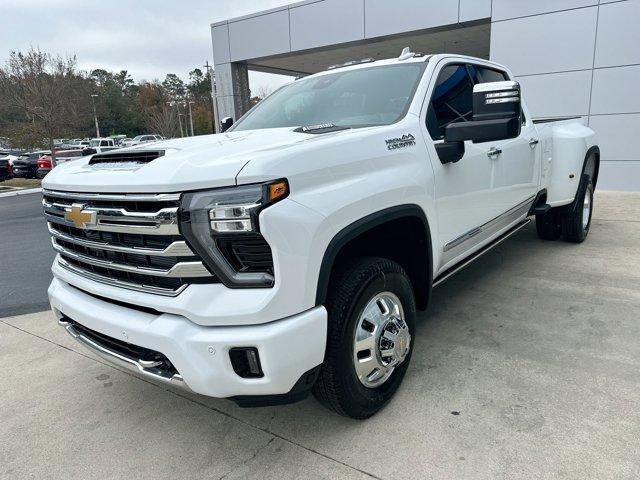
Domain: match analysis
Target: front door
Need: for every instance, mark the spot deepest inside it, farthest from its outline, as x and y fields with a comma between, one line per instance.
x=463, y=190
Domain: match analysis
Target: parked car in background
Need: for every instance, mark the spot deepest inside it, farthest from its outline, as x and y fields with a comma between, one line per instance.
x=26, y=165
x=145, y=139
x=78, y=143
x=67, y=155
x=118, y=139
x=6, y=172
x=99, y=145
x=102, y=142
x=10, y=155
x=44, y=166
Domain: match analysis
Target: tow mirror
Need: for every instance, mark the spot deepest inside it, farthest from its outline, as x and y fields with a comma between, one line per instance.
x=449, y=152
x=497, y=114
x=226, y=124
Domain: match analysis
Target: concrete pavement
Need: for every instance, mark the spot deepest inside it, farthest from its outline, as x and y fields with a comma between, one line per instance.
x=26, y=255
x=527, y=365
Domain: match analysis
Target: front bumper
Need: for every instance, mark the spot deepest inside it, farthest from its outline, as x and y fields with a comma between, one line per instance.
x=288, y=348
x=42, y=172
x=23, y=172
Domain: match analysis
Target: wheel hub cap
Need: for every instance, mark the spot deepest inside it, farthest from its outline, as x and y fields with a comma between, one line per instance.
x=586, y=210
x=382, y=340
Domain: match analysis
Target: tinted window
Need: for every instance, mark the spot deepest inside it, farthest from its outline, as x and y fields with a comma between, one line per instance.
x=367, y=96
x=452, y=100
x=486, y=75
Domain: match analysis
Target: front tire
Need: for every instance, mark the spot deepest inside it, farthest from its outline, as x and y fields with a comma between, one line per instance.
x=371, y=326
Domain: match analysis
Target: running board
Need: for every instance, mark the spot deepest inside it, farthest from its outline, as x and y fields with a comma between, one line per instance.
x=459, y=266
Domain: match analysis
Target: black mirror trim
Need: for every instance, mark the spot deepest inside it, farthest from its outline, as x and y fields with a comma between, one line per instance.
x=484, y=130
x=450, y=152
x=226, y=124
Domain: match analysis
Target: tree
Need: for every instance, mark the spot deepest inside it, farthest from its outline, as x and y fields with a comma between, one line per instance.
x=174, y=87
x=262, y=93
x=199, y=90
x=47, y=91
x=153, y=102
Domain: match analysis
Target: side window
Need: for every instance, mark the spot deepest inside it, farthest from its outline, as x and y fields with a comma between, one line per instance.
x=452, y=100
x=485, y=75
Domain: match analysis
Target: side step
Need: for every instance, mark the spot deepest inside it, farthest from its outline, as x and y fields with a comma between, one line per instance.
x=541, y=209
x=459, y=266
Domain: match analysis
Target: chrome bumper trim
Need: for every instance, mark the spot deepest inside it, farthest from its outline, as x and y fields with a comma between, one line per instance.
x=135, y=365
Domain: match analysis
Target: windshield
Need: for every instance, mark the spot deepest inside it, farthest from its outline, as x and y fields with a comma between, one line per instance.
x=352, y=98
x=137, y=138
x=94, y=143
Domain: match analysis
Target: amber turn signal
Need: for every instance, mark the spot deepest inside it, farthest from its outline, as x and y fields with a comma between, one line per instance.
x=278, y=190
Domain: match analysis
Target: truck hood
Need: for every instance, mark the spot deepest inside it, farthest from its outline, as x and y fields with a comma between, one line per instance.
x=191, y=163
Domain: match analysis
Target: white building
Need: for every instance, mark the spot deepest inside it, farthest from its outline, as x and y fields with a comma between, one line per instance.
x=572, y=57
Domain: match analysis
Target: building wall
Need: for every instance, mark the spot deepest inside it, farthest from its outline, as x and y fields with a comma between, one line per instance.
x=579, y=57
x=572, y=57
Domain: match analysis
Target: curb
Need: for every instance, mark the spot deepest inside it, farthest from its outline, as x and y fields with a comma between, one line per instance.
x=25, y=191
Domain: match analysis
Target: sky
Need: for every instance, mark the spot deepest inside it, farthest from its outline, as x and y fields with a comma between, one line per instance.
x=148, y=38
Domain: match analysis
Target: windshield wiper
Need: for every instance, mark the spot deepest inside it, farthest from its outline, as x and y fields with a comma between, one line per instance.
x=321, y=128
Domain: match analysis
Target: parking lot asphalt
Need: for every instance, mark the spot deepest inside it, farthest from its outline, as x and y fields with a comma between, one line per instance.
x=527, y=365
x=25, y=255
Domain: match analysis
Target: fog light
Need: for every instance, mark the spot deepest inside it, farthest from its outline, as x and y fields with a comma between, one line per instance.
x=246, y=362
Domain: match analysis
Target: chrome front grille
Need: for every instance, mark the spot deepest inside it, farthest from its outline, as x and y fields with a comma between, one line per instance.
x=131, y=240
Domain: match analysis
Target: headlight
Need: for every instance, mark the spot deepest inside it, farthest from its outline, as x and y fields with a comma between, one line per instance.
x=212, y=221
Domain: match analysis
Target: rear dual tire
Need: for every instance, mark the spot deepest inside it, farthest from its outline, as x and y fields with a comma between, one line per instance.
x=575, y=226
x=572, y=226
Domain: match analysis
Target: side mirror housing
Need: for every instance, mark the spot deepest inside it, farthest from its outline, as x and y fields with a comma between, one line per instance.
x=497, y=114
x=496, y=100
x=226, y=124
x=450, y=152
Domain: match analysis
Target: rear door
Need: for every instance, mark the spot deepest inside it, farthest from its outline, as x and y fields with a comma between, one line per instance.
x=515, y=169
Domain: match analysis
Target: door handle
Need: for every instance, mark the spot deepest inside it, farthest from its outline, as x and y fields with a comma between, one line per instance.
x=494, y=152
x=533, y=142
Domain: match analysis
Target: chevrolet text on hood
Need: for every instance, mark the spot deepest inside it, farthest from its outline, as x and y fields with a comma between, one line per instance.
x=290, y=254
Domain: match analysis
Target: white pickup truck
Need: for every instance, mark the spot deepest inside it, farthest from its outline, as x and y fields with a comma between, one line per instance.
x=290, y=253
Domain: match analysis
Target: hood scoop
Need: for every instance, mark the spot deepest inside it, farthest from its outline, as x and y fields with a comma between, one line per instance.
x=132, y=156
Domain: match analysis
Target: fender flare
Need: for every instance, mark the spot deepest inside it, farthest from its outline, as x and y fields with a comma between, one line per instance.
x=357, y=228
x=595, y=149
x=584, y=178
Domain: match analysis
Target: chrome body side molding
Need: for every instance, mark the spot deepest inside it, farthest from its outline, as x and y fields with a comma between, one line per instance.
x=476, y=235
x=459, y=266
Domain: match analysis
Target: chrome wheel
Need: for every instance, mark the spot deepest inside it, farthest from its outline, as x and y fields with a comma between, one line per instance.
x=586, y=210
x=381, y=341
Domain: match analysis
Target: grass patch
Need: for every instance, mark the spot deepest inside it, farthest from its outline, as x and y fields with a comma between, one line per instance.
x=21, y=183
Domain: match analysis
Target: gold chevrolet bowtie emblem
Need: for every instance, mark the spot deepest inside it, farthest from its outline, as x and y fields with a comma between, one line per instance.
x=80, y=218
